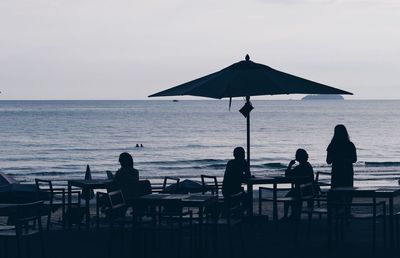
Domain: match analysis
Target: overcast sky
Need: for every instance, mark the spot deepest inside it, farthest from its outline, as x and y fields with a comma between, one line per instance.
x=128, y=49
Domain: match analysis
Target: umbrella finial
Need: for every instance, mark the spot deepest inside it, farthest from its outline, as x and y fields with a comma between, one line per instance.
x=247, y=57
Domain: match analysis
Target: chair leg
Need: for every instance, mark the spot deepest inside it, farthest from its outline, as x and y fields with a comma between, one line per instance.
x=343, y=224
x=337, y=230
x=309, y=224
x=180, y=238
x=384, y=229
x=19, y=246
x=242, y=239
x=216, y=237
x=48, y=220
x=5, y=247
x=296, y=222
x=110, y=241
x=28, y=247
x=397, y=231
x=122, y=228
x=230, y=241
x=374, y=233
x=41, y=245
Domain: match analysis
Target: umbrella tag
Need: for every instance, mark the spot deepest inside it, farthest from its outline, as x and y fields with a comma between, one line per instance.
x=246, y=109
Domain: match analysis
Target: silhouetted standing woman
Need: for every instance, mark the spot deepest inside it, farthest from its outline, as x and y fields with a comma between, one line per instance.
x=341, y=154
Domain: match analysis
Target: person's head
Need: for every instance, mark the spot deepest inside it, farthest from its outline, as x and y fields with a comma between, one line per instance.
x=126, y=160
x=301, y=155
x=340, y=134
x=238, y=153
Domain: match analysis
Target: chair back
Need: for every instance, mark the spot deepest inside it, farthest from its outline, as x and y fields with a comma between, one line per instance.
x=143, y=188
x=235, y=205
x=168, y=179
x=25, y=213
x=117, y=203
x=209, y=184
x=319, y=181
x=45, y=186
x=116, y=199
x=307, y=191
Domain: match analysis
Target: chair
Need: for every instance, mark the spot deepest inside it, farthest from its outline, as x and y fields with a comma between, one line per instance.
x=116, y=215
x=280, y=199
x=52, y=203
x=210, y=184
x=143, y=188
x=323, y=184
x=21, y=217
x=116, y=212
x=342, y=210
x=315, y=203
x=55, y=199
x=170, y=187
x=169, y=218
x=397, y=215
x=232, y=218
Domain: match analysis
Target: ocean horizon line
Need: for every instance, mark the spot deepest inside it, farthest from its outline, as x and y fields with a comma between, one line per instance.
x=194, y=99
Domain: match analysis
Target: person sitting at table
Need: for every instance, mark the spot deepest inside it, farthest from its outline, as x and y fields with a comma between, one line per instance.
x=303, y=169
x=127, y=177
x=236, y=172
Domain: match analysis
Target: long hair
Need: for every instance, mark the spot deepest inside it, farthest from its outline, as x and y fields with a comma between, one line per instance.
x=301, y=155
x=126, y=160
x=340, y=135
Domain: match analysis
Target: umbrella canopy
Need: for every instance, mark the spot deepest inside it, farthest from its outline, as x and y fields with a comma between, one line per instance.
x=245, y=79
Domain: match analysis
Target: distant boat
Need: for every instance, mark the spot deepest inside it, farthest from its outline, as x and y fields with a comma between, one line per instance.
x=323, y=97
x=175, y=100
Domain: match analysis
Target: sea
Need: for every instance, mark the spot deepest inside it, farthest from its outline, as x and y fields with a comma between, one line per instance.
x=186, y=138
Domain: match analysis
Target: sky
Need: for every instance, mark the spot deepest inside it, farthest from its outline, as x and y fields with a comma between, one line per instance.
x=129, y=49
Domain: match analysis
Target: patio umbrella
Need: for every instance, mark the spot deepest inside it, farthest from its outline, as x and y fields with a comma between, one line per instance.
x=245, y=79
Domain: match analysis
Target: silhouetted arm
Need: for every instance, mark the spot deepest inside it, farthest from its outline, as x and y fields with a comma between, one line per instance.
x=247, y=174
x=353, y=157
x=136, y=175
x=225, y=181
x=329, y=157
x=289, y=170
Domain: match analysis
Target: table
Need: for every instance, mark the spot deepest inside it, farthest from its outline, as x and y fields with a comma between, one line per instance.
x=86, y=185
x=199, y=201
x=7, y=208
x=383, y=192
x=274, y=180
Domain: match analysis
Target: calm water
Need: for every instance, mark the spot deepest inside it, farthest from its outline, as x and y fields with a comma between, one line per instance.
x=56, y=139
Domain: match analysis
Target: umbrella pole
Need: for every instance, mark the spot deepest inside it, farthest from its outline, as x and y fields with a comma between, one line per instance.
x=249, y=185
x=248, y=133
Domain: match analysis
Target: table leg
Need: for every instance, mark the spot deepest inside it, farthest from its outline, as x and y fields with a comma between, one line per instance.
x=63, y=209
x=391, y=221
x=69, y=203
x=275, y=204
x=250, y=198
x=97, y=211
x=200, y=232
x=329, y=224
x=87, y=207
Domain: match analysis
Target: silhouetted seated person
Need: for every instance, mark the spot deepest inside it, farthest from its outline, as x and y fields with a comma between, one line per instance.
x=127, y=177
x=303, y=169
x=236, y=172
